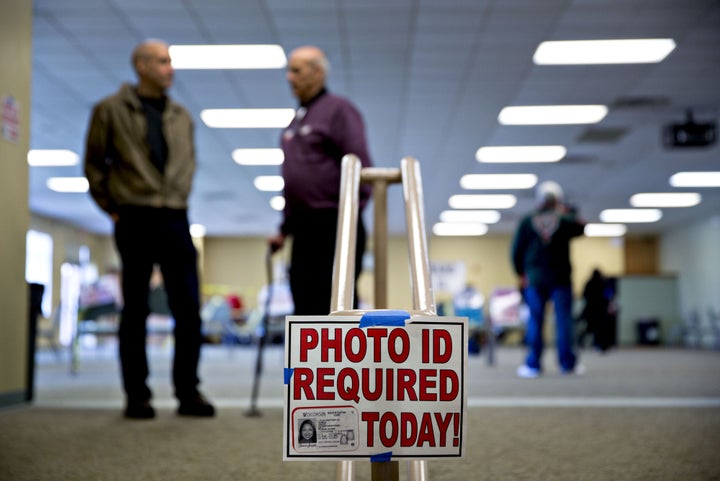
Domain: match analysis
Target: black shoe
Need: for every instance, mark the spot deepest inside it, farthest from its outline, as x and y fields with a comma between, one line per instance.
x=196, y=406
x=139, y=410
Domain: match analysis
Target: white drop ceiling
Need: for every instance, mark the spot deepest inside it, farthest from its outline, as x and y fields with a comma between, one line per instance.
x=430, y=77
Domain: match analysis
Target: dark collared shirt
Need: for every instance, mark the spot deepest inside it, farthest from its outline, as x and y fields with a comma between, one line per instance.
x=324, y=130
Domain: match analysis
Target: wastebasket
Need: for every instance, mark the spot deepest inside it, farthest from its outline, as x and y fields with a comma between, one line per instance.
x=648, y=332
x=35, y=296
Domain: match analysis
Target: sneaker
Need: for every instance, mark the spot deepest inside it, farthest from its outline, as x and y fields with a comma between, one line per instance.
x=139, y=410
x=526, y=372
x=578, y=370
x=196, y=406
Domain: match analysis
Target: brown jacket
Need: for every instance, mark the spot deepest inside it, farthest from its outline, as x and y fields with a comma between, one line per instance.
x=117, y=156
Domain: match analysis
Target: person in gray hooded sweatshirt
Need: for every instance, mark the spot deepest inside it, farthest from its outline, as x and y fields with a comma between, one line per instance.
x=541, y=259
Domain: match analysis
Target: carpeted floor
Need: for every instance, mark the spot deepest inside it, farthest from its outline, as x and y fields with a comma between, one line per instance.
x=637, y=415
x=594, y=444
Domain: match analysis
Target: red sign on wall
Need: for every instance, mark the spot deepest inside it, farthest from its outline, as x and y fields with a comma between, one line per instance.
x=10, y=119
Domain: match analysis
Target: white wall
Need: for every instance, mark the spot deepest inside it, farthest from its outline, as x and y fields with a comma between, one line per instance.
x=647, y=298
x=693, y=253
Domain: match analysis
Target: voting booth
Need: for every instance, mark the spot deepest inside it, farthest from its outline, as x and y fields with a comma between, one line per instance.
x=381, y=385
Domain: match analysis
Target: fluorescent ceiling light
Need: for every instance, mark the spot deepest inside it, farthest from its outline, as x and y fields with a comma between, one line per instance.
x=269, y=183
x=671, y=199
x=247, y=118
x=523, y=153
x=258, y=156
x=498, y=181
x=470, y=216
x=552, y=114
x=277, y=202
x=605, y=230
x=198, y=230
x=227, y=56
x=52, y=158
x=578, y=52
x=695, y=179
x=630, y=215
x=482, y=201
x=450, y=229
x=68, y=184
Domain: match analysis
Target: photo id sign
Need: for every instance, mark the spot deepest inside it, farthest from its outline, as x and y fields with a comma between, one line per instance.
x=381, y=386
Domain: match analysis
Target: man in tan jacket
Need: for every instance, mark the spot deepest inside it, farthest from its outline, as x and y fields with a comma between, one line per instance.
x=140, y=162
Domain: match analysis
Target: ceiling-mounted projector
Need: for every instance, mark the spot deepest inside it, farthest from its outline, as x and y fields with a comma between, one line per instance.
x=690, y=133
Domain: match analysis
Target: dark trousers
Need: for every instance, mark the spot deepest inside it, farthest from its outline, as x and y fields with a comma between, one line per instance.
x=537, y=298
x=145, y=237
x=311, y=264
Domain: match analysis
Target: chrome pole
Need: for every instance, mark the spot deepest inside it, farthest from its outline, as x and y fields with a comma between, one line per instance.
x=344, y=262
x=345, y=242
x=345, y=471
x=344, y=265
x=380, y=178
x=423, y=297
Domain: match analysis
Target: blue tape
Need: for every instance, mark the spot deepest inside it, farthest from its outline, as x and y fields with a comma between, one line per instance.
x=388, y=317
x=288, y=374
x=381, y=458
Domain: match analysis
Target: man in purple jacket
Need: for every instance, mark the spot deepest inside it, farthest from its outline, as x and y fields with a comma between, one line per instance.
x=325, y=128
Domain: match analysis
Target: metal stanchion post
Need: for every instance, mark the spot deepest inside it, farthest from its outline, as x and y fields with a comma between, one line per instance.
x=344, y=265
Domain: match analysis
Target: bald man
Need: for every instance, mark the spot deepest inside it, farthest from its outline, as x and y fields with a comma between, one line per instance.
x=140, y=163
x=325, y=128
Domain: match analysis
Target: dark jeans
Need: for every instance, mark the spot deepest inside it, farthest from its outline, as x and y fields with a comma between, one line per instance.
x=313, y=254
x=537, y=298
x=145, y=237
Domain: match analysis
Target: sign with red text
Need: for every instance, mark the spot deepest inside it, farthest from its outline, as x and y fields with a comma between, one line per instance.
x=378, y=390
x=10, y=118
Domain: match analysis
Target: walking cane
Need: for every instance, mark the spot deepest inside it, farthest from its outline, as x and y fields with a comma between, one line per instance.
x=254, y=411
